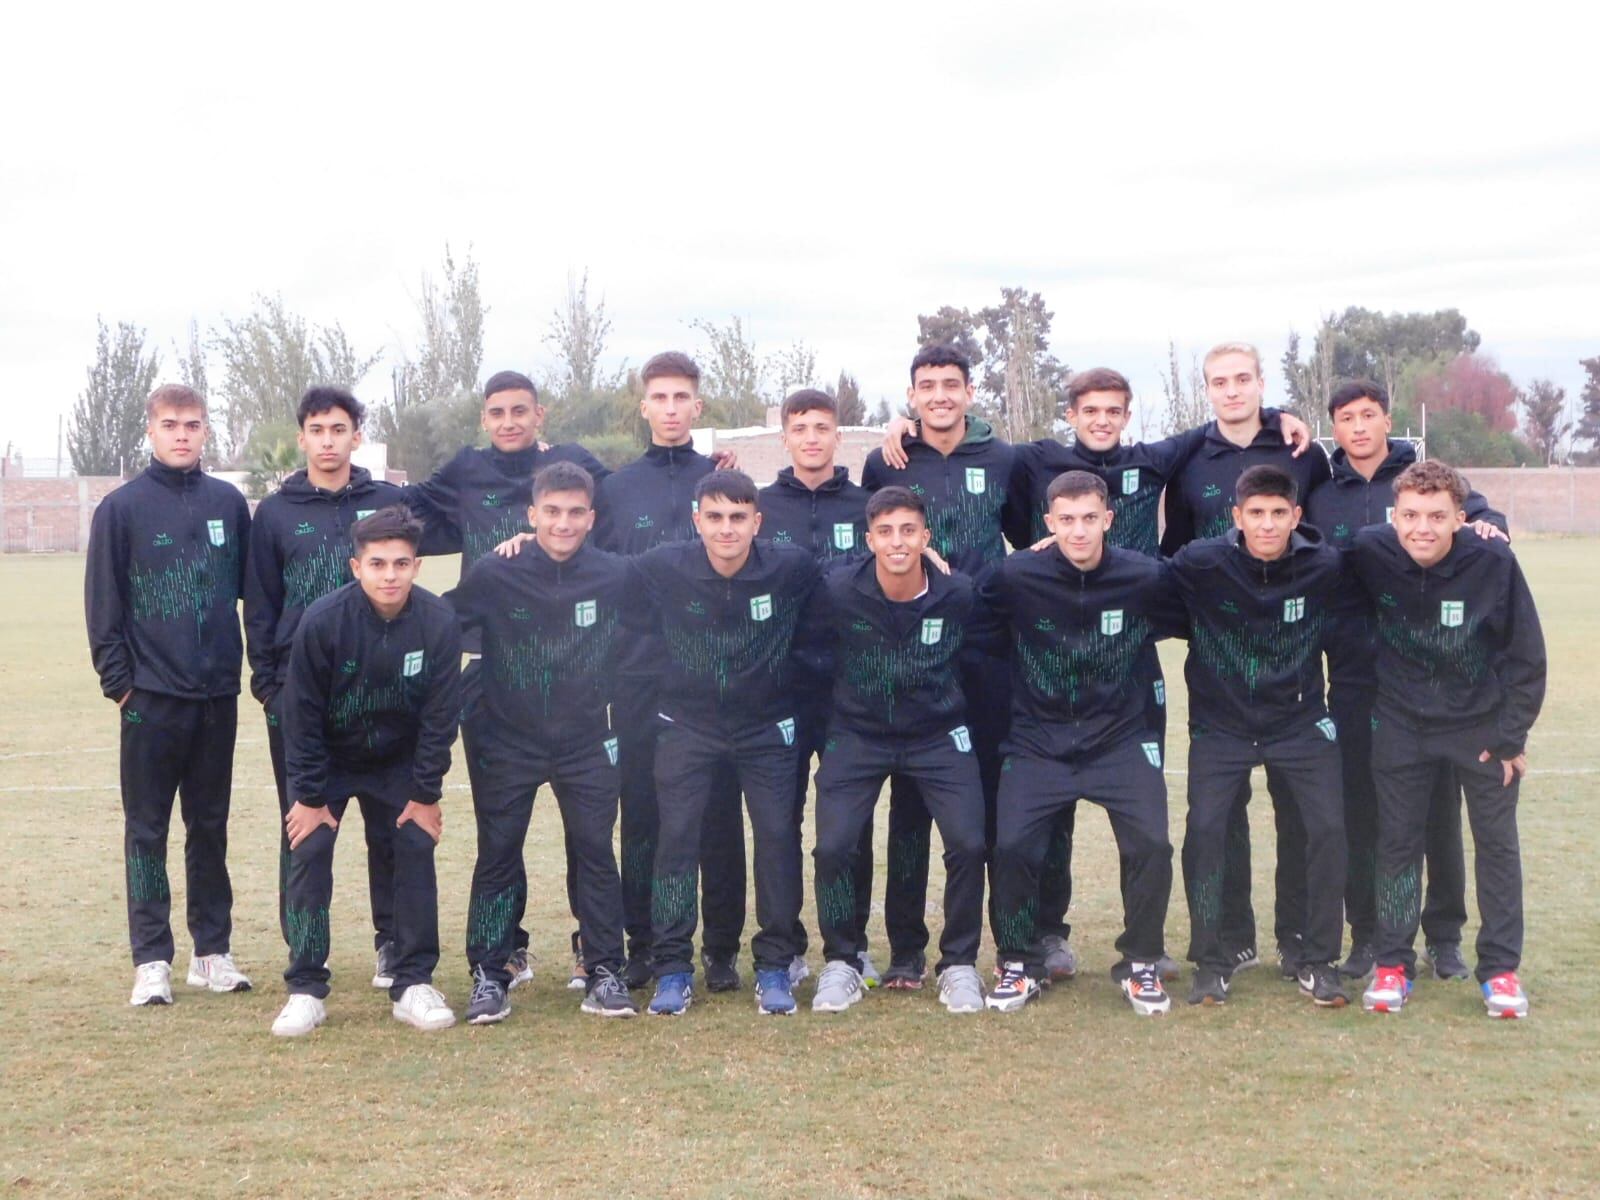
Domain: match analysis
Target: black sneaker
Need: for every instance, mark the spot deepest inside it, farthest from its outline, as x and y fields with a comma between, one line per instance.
x=721, y=974
x=1361, y=961
x=1289, y=958
x=1244, y=960
x=489, y=1002
x=905, y=974
x=1447, y=961
x=1320, y=981
x=607, y=996
x=1209, y=987
x=639, y=971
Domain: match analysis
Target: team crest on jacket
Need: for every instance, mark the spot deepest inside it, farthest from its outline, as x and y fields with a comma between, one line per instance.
x=962, y=739
x=1294, y=608
x=363, y=513
x=932, y=630
x=844, y=536
x=786, y=728
x=413, y=664
x=977, y=481
x=761, y=607
x=1452, y=612
x=1329, y=729
x=218, y=531
x=1111, y=622
x=1130, y=481
x=611, y=750
x=1152, y=753
x=583, y=613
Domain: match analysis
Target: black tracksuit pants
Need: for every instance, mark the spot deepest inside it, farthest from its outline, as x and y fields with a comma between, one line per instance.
x=174, y=746
x=986, y=684
x=508, y=771
x=811, y=737
x=383, y=795
x=688, y=765
x=1307, y=763
x=848, y=785
x=380, y=849
x=1405, y=764
x=722, y=857
x=1124, y=779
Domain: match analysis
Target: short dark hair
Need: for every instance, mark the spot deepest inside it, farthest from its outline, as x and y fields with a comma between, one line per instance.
x=1357, y=389
x=804, y=401
x=563, y=477
x=1073, y=484
x=1263, y=479
x=1431, y=476
x=509, y=381
x=393, y=524
x=941, y=354
x=322, y=397
x=727, y=485
x=670, y=363
x=892, y=499
x=174, y=395
x=1097, y=379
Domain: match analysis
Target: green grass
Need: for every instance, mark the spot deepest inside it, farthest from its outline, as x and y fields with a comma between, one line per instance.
x=1074, y=1096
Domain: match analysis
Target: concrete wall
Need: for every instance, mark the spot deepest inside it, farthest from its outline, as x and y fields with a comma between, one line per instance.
x=38, y=515
x=1543, y=499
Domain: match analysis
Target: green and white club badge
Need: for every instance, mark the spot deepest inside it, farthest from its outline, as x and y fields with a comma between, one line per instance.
x=786, y=728
x=611, y=750
x=962, y=739
x=583, y=613
x=977, y=481
x=363, y=513
x=761, y=607
x=844, y=536
x=1130, y=481
x=1111, y=622
x=413, y=664
x=932, y=630
x=1294, y=609
x=1329, y=729
x=1152, y=753
x=218, y=531
x=1452, y=612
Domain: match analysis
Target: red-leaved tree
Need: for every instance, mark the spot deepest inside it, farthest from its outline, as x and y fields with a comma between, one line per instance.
x=1471, y=383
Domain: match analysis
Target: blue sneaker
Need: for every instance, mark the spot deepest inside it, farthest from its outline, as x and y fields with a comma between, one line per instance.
x=674, y=994
x=774, y=996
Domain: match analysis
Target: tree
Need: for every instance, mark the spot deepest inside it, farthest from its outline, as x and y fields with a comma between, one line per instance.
x=847, y=395
x=1588, y=429
x=1022, y=381
x=578, y=335
x=952, y=327
x=108, y=420
x=1187, y=405
x=270, y=358
x=1464, y=439
x=791, y=369
x=1360, y=343
x=1544, y=411
x=273, y=456
x=1469, y=383
x=731, y=384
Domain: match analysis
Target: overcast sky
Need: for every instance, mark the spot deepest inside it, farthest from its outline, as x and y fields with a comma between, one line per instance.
x=826, y=171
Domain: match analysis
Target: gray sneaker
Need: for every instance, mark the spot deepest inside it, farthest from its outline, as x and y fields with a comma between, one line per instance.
x=869, y=971
x=838, y=987
x=489, y=1004
x=960, y=989
x=799, y=970
x=1060, y=959
x=607, y=996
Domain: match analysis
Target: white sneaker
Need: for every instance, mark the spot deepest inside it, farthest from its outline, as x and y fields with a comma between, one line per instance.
x=520, y=964
x=422, y=1006
x=300, y=1016
x=152, y=983
x=839, y=988
x=960, y=989
x=217, y=973
x=798, y=969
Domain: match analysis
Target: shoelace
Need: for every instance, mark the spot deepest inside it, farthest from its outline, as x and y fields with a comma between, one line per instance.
x=1146, y=980
x=483, y=988
x=835, y=972
x=607, y=985
x=1505, y=985
x=1012, y=980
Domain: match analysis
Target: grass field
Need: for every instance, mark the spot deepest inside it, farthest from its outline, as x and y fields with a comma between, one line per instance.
x=1074, y=1096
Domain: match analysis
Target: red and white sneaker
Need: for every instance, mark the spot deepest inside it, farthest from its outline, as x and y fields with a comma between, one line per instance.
x=1503, y=996
x=1388, y=990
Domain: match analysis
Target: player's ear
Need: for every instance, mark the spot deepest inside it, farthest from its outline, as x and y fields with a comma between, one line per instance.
x=1297, y=513
x=1111, y=515
x=756, y=527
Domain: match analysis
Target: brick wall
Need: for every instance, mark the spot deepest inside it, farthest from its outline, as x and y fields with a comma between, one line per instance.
x=1543, y=499
x=50, y=514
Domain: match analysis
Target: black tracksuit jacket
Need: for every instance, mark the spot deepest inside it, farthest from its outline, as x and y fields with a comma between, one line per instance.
x=1460, y=645
x=480, y=497
x=550, y=634
x=165, y=570
x=1200, y=497
x=829, y=521
x=363, y=693
x=728, y=641
x=1077, y=639
x=300, y=550
x=1257, y=631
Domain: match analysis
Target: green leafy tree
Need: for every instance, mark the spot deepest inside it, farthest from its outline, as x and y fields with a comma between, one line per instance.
x=731, y=376
x=846, y=394
x=1185, y=393
x=1544, y=416
x=1588, y=428
x=1022, y=381
x=1361, y=343
x=582, y=400
x=790, y=370
x=1465, y=439
x=108, y=421
x=273, y=454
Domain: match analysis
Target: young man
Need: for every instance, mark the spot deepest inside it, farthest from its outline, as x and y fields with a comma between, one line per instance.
x=165, y=570
x=961, y=472
x=896, y=629
x=813, y=504
x=372, y=694
x=725, y=608
x=548, y=623
x=299, y=552
x=1199, y=504
x=1361, y=494
x=1260, y=602
x=475, y=502
x=1461, y=678
x=1083, y=619
x=647, y=503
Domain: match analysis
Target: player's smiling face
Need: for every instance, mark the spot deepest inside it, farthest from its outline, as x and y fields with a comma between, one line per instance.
x=940, y=396
x=1266, y=523
x=727, y=527
x=1234, y=387
x=513, y=419
x=1362, y=429
x=177, y=435
x=1426, y=523
x=561, y=520
x=897, y=539
x=327, y=439
x=1079, y=524
x=1098, y=418
x=386, y=570
x=811, y=439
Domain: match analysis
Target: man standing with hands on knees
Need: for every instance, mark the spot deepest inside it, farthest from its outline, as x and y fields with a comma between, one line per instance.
x=373, y=694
